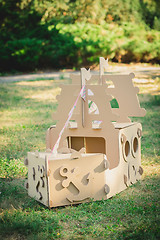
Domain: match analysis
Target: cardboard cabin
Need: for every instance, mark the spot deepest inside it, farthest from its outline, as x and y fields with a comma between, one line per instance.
x=94, y=150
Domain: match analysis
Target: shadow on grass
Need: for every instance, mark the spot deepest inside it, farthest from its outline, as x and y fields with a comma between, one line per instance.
x=23, y=217
x=132, y=214
x=150, y=100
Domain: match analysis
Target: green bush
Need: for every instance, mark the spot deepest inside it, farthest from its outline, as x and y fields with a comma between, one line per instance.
x=31, y=53
x=80, y=44
x=21, y=54
x=65, y=34
x=51, y=34
x=139, y=44
x=123, y=43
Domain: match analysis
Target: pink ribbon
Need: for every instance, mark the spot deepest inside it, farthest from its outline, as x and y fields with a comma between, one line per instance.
x=56, y=145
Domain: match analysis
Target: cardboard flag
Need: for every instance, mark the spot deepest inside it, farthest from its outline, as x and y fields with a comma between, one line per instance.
x=103, y=65
x=85, y=75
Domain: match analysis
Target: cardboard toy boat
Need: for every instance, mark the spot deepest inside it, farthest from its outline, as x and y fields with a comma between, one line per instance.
x=94, y=150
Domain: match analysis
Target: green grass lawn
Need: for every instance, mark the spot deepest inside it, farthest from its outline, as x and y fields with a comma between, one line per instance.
x=25, y=115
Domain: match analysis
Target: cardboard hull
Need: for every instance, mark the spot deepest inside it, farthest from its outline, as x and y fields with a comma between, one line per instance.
x=64, y=179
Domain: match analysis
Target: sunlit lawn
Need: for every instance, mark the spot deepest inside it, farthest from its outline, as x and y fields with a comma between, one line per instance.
x=25, y=115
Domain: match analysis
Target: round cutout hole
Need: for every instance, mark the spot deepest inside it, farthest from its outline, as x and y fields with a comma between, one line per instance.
x=127, y=148
x=135, y=144
x=65, y=170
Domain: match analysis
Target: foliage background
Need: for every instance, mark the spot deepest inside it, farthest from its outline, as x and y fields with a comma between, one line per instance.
x=40, y=34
